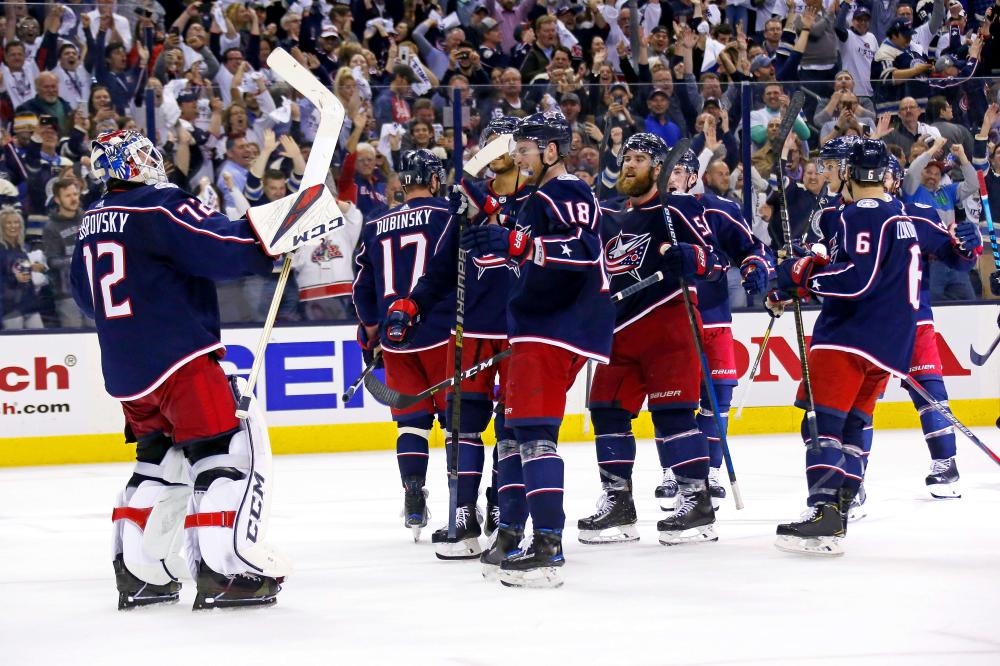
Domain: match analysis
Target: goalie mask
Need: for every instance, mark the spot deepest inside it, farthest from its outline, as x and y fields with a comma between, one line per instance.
x=127, y=155
x=418, y=166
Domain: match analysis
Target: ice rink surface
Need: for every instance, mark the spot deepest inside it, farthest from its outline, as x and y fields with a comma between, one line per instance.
x=920, y=583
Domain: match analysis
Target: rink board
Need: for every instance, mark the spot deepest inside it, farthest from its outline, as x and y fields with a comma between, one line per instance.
x=54, y=410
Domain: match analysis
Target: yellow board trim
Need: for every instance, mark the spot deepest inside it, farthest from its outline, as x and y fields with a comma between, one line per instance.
x=342, y=438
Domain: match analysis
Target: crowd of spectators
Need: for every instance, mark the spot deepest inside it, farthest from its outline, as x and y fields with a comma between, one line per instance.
x=194, y=77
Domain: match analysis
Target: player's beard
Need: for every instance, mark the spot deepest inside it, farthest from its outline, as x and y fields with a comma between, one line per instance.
x=502, y=165
x=634, y=185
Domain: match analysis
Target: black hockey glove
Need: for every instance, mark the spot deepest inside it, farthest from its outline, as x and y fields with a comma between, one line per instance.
x=688, y=261
x=755, y=275
x=500, y=241
x=967, y=239
x=995, y=286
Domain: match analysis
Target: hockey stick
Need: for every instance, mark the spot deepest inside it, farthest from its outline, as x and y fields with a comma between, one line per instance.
x=984, y=194
x=392, y=398
x=980, y=359
x=638, y=286
x=951, y=418
x=791, y=113
x=317, y=168
x=353, y=388
x=456, y=400
x=668, y=166
x=753, y=368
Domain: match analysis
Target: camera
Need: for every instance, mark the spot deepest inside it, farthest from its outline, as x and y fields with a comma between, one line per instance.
x=143, y=12
x=464, y=55
x=23, y=267
x=619, y=99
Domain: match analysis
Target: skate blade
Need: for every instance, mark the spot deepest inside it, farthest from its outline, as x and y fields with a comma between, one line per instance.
x=491, y=572
x=127, y=603
x=705, y=533
x=621, y=534
x=670, y=504
x=856, y=513
x=415, y=529
x=819, y=546
x=467, y=549
x=945, y=491
x=541, y=578
x=202, y=602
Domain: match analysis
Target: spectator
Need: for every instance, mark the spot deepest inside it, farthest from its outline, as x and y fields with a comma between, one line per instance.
x=819, y=60
x=239, y=155
x=43, y=165
x=941, y=115
x=437, y=59
x=843, y=84
x=510, y=14
x=849, y=118
x=775, y=103
x=21, y=303
x=909, y=128
x=491, y=54
x=392, y=105
x=510, y=102
x=47, y=102
x=324, y=270
x=112, y=71
x=857, y=46
x=368, y=180
x=59, y=240
x=465, y=60
x=771, y=36
x=266, y=183
x=896, y=68
x=105, y=18
x=657, y=121
x=74, y=79
x=17, y=75
x=546, y=40
x=713, y=121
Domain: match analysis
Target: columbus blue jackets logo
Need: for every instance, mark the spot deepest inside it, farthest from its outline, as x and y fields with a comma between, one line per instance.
x=325, y=251
x=624, y=254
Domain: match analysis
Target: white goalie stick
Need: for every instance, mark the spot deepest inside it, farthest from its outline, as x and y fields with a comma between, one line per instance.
x=497, y=147
x=312, y=196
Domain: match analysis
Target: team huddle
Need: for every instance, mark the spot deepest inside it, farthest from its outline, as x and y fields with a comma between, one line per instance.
x=549, y=283
x=525, y=277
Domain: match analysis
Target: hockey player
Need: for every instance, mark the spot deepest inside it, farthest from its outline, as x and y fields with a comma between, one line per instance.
x=144, y=271
x=653, y=354
x=394, y=252
x=558, y=315
x=735, y=246
x=864, y=332
x=485, y=335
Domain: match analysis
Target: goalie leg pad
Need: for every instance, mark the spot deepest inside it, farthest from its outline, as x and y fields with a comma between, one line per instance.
x=149, y=515
x=229, y=510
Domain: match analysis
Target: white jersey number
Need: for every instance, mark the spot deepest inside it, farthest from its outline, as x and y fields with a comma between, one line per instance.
x=914, y=275
x=388, y=265
x=113, y=277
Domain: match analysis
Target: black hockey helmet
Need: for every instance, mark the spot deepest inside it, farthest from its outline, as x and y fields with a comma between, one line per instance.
x=868, y=161
x=497, y=126
x=838, y=148
x=689, y=162
x=418, y=166
x=546, y=128
x=895, y=168
x=645, y=142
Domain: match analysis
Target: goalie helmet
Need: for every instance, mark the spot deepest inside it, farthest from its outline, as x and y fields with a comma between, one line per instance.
x=127, y=155
x=546, y=128
x=418, y=166
x=868, y=161
x=645, y=142
x=496, y=127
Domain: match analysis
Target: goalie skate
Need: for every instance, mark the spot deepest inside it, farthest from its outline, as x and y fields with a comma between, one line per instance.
x=614, y=522
x=243, y=590
x=538, y=566
x=693, y=522
x=465, y=545
x=667, y=491
x=942, y=482
x=135, y=593
x=820, y=531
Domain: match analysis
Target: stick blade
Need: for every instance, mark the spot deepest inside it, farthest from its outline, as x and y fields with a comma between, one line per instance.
x=788, y=119
x=387, y=396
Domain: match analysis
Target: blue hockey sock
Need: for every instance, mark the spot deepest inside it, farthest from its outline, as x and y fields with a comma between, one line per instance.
x=411, y=445
x=854, y=453
x=510, y=484
x=681, y=445
x=707, y=423
x=825, y=469
x=867, y=435
x=938, y=432
x=543, y=483
x=475, y=417
x=615, y=446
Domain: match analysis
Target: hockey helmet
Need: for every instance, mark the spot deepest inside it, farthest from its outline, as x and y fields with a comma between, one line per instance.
x=645, y=142
x=126, y=155
x=546, y=128
x=689, y=162
x=868, y=161
x=418, y=166
x=496, y=127
x=895, y=168
x=838, y=148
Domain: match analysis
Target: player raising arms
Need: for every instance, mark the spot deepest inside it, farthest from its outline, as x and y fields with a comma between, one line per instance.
x=144, y=270
x=558, y=316
x=864, y=332
x=485, y=333
x=653, y=354
x=394, y=252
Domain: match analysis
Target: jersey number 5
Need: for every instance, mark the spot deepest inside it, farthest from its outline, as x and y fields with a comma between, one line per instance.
x=114, y=276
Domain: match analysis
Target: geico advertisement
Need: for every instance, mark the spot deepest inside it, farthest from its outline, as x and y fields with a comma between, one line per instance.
x=51, y=384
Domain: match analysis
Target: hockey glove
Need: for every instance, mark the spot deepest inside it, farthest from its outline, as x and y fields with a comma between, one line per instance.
x=775, y=303
x=458, y=202
x=501, y=241
x=793, y=275
x=754, y=273
x=402, y=318
x=967, y=239
x=995, y=286
x=688, y=261
x=370, y=348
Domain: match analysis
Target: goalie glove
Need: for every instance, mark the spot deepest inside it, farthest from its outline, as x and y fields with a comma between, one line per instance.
x=500, y=241
x=402, y=318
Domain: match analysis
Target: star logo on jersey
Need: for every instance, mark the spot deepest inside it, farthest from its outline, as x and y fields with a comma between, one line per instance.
x=624, y=254
x=488, y=261
x=815, y=285
x=300, y=206
x=566, y=251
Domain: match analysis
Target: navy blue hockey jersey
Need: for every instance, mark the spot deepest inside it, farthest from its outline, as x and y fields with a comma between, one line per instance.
x=871, y=291
x=632, y=240
x=560, y=297
x=935, y=244
x=144, y=270
x=395, y=251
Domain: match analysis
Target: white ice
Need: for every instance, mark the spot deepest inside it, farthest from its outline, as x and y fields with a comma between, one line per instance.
x=919, y=583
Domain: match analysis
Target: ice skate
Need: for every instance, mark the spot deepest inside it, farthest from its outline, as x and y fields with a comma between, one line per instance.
x=465, y=545
x=666, y=492
x=538, y=566
x=692, y=522
x=856, y=509
x=614, y=521
x=245, y=590
x=504, y=543
x=942, y=482
x=492, y=512
x=715, y=487
x=820, y=531
x=135, y=593
x=415, y=511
